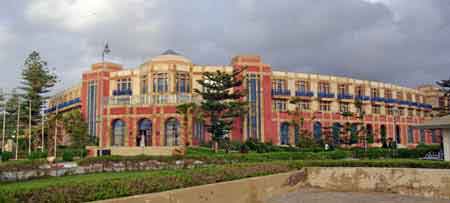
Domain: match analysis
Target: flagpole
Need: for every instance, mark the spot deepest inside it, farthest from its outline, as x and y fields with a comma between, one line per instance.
x=42, y=133
x=17, y=128
x=104, y=52
x=4, y=125
x=29, y=127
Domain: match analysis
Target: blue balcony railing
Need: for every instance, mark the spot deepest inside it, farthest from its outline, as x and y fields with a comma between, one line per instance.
x=362, y=98
x=390, y=100
x=325, y=95
x=345, y=96
x=304, y=94
x=377, y=99
x=122, y=92
x=63, y=105
x=281, y=92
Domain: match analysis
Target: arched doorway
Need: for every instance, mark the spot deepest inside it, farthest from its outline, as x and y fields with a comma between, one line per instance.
x=172, y=128
x=336, y=131
x=118, y=133
x=284, y=133
x=144, y=136
x=317, y=131
x=383, y=135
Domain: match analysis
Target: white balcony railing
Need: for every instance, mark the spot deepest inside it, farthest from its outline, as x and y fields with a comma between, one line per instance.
x=150, y=100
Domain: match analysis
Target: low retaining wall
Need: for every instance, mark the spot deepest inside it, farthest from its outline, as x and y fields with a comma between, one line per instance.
x=250, y=190
x=71, y=168
x=406, y=181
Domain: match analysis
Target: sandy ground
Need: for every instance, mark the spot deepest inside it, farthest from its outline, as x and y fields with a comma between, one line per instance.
x=320, y=196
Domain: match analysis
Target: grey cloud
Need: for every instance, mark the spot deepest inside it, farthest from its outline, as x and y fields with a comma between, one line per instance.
x=399, y=41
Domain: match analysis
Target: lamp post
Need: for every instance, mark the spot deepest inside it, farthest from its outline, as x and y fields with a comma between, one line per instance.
x=4, y=126
x=17, y=128
x=29, y=127
x=42, y=132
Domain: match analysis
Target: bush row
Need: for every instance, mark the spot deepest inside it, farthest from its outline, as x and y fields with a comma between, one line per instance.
x=380, y=153
x=112, y=185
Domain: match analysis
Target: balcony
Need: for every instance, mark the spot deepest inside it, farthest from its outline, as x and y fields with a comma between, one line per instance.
x=377, y=99
x=281, y=92
x=150, y=100
x=362, y=98
x=122, y=92
x=325, y=95
x=390, y=100
x=63, y=105
x=304, y=94
x=345, y=96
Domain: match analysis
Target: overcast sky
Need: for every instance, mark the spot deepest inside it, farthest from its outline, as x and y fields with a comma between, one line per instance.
x=405, y=42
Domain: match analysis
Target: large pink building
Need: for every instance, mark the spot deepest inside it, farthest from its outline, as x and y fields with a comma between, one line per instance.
x=137, y=107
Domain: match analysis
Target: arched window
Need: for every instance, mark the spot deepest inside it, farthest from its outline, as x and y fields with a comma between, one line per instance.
x=353, y=133
x=284, y=133
x=118, y=133
x=199, y=131
x=410, y=135
x=144, y=136
x=336, y=131
x=317, y=131
x=172, y=132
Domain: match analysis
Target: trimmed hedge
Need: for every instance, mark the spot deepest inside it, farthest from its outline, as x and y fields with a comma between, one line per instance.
x=112, y=185
x=404, y=153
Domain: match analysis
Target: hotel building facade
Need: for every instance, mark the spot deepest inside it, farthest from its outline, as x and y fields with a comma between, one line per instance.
x=137, y=107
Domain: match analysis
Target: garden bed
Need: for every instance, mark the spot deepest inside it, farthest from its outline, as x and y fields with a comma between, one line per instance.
x=112, y=185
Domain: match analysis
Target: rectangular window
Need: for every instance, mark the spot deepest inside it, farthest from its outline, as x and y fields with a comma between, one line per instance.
x=401, y=111
x=160, y=82
x=376, y=109
x=343, y=89
x=302, y=86
x=304, y=105
x=324, y=87
x=360, y=91
x=388, y=93
x=410, y=112
x=92, y=104
x=344, y=107
x=182, y=83
x=408, y=97
x=144, y=85
x=400, y=95
x=390, y=110
x=325, y=106
x=375, y=92
x=279, y=85
x=279, y=105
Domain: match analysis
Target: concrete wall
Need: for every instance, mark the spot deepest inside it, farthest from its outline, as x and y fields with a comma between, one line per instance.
x=416, y=182
x=251, y=190
x=406, y=181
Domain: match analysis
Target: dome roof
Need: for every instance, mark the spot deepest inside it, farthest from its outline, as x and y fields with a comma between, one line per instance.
x=170, y=55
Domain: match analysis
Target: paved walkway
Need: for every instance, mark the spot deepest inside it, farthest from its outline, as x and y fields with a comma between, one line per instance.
x=320, y=196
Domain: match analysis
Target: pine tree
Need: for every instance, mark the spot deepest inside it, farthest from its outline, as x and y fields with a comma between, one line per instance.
x=445, y=87
x=36, y=82
x=222, y=101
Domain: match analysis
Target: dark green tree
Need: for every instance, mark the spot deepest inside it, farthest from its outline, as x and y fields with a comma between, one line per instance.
x=77, y=128
x=445, y=87
x=37, y=80
x=222, y=103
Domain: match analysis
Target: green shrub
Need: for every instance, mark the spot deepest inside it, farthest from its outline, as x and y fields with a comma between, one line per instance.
x=6, y=156
x=67, y=155
x=37, y=155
